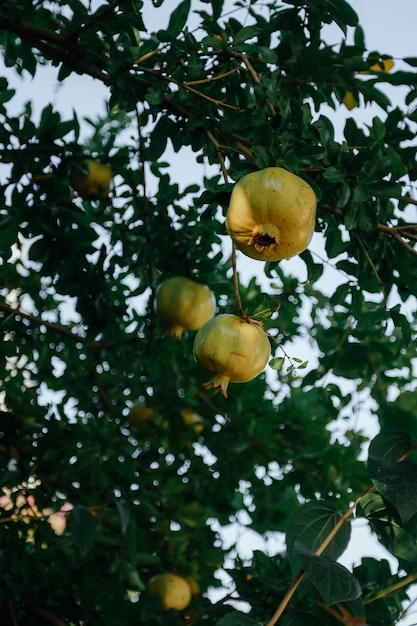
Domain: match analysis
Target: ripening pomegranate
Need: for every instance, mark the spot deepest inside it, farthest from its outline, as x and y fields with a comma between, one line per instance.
x=233, y=349
x=92, y=180
x=174, y=591
x=184, y=303
x=271, y=214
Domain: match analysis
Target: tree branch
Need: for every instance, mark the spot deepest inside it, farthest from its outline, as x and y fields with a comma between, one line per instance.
x=47, y=615
x=17, y=313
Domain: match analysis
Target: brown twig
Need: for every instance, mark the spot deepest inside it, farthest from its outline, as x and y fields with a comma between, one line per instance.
x=204, y=81
x=58, y=48
x=219, y=150
x=46, y=614
x=256, y=78
x=371, y=263
x=385, y=592
x=40, y=322
x=12, y=612
x=399, y=233
x=183, y=85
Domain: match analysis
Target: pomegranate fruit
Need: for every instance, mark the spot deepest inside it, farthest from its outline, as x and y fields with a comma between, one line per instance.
x=271, y=214
x=184, y=303
x=233, y=349
x=174, y=591
x=140, y=413
x=92, y=181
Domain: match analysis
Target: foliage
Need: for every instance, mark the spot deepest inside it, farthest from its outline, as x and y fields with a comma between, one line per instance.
x=92, y=507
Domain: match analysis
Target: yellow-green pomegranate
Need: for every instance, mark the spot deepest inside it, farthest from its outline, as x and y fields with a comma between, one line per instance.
x=271, y=214
x=184, y=304
x=174, y=591
x=94, y=183
x=233, y=349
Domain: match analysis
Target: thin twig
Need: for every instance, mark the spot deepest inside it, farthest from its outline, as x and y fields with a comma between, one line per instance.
x=204, y=81
x=371, y=263
x=47, y=615
x=256, y=78
x=12, y=612
x=219, y=154
x=406, y=245
x=385, y=592
x=182, y=85
x=40, y=322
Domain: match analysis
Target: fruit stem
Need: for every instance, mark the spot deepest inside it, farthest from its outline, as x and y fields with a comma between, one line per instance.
x=238, y=299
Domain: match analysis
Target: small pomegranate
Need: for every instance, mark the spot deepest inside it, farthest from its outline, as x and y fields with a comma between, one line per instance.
x=91, y=180
x=174, y=591
x=234, y=349
x=271, y=214
x=140, y=413
x=184, y=303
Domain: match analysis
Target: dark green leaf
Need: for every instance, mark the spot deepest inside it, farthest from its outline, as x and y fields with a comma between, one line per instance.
x=178, y=18
x=401, y=321
x=390, y=444
x=310, y=525
x=82, y=525
x=331, y=579
x=397, y=482
x=235, y=618
x=124, y=513
x=398, y=538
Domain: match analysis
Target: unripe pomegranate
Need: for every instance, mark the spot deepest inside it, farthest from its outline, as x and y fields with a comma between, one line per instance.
x=234, y=349
x=184, y=303
x=140, y=413
x=93, y=183
x=173, y=590
x=271, y=214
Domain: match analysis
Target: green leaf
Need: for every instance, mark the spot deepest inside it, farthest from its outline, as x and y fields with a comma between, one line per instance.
x=401, y=321
x=331, y=579
x=300, y=618
x=397, y=482
x=310, y=525
x=342, y=13
x=124, y=513
x=236, y=618
x=398, y=538
x=390, y=444
x=82, y=525
x=245, y=33
x=178, y=18
x=277, y=363
x=217, y=6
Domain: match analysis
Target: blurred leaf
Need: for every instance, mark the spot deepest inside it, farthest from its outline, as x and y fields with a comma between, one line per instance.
x=235, y=618
x=82, y=525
